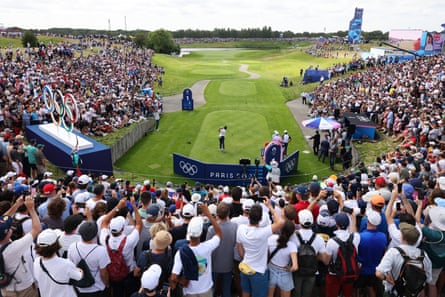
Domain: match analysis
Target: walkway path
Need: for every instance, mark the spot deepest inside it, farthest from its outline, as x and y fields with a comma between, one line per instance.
x=297, y=108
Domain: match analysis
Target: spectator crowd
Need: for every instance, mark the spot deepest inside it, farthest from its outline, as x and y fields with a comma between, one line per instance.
x=100, y=236
x=113, y=88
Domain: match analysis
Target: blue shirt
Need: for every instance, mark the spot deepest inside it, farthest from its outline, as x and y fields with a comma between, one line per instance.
x=43, y=208
x=370, y=250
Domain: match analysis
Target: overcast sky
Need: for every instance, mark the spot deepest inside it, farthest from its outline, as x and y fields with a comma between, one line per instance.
x=281, y=15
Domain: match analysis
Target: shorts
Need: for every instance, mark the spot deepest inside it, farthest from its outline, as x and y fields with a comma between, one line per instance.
x=280, y=278
x=365, y=280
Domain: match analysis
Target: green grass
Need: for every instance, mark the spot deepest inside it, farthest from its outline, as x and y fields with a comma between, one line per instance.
x=251, y=109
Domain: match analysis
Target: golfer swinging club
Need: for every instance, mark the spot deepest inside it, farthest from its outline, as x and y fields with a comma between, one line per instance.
x=222, y=134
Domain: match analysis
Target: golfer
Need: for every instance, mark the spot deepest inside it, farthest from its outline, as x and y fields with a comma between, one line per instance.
x=222, y=135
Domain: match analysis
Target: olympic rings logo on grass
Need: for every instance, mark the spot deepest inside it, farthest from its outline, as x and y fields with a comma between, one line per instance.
x=63, y=107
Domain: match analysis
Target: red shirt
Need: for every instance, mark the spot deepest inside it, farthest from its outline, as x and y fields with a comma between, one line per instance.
x=303, y=204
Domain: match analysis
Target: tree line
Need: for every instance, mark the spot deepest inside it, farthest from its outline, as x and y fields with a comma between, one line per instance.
x=264, y=32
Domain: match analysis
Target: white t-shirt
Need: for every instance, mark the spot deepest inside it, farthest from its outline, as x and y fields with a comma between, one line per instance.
x=239, y=220
x=203, y=254
x=61, y=270
x=282, y=256
x=253, y=240
x=318, y=244
x=96, y=257
x=114, y=242
x=396, y=236
x=13, y=260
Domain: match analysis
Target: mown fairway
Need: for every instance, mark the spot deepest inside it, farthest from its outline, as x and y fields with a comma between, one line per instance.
x=251, y=108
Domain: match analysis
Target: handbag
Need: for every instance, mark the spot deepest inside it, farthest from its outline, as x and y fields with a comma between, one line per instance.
x=246, y=269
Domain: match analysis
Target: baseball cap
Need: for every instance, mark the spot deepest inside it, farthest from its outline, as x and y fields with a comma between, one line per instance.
x=380, y=181
x=48, y=237
x=194, y=229
x=408, y=190
x=378, y=201
x=188, y=211
x=152, y=211
x=195, y=197
x=332, y=205
x=162, y=240
x=342, y=220
x=247, y=204
x=83, y=179
x=104, y=177
x=305, y=218
x=40, y=145
x=48, y=188
x=409, y=233
x=169, y=184
x=5, y=224
x=117, y=224
x=374, y=217
x=88, y=230
x=146, y=182
x=314, y=187
x=70, y=172
x=150, y=278
x=212, y=209
x=302, y=190
x=47, y=173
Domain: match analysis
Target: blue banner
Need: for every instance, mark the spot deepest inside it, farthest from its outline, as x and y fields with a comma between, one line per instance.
x=355, y=26
x=228, y=174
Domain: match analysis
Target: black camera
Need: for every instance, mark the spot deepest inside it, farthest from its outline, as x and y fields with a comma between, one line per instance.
x=347, y=210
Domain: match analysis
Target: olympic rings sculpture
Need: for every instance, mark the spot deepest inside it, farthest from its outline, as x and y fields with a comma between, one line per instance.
x=65, y=107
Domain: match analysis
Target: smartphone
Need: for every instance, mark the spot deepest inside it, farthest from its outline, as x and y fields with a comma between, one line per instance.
x=399, y=188
x=420, y=194
x=80, y=204
x=398, y=206
x=347, y=209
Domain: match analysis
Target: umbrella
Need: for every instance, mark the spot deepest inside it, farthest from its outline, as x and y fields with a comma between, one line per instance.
x=321, y=123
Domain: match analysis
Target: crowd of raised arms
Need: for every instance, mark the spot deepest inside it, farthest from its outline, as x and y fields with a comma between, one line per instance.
x=376, y=231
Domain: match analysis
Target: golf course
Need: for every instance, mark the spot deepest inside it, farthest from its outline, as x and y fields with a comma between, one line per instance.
x=251, y=106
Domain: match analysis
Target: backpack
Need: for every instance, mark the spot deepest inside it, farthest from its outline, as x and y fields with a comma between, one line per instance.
x=117, y=269
x=346, y=264
x=17, y=227
x=5, y=278
x=307, y=257
x=412, y=277
x=87, y=280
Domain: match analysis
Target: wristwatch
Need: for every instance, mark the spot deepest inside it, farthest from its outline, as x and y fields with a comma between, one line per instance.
x=116, y=209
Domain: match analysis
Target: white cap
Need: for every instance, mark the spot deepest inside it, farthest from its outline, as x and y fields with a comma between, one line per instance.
x=374, y=217
x=83, y=179
x=70, y=172
x=305, y=218
x=247, y=204
x=150, y=278
x=104, y=177
x=196, y=197
x=117, y=224
x=212, y=209
x=146, y=182
x=47, y=173
x=48, y=237
x=195, y=226
x=188, y=211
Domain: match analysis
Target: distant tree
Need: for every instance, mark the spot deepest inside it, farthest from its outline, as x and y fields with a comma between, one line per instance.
x=141, y=39
x=29, y=38
x=161, y=41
